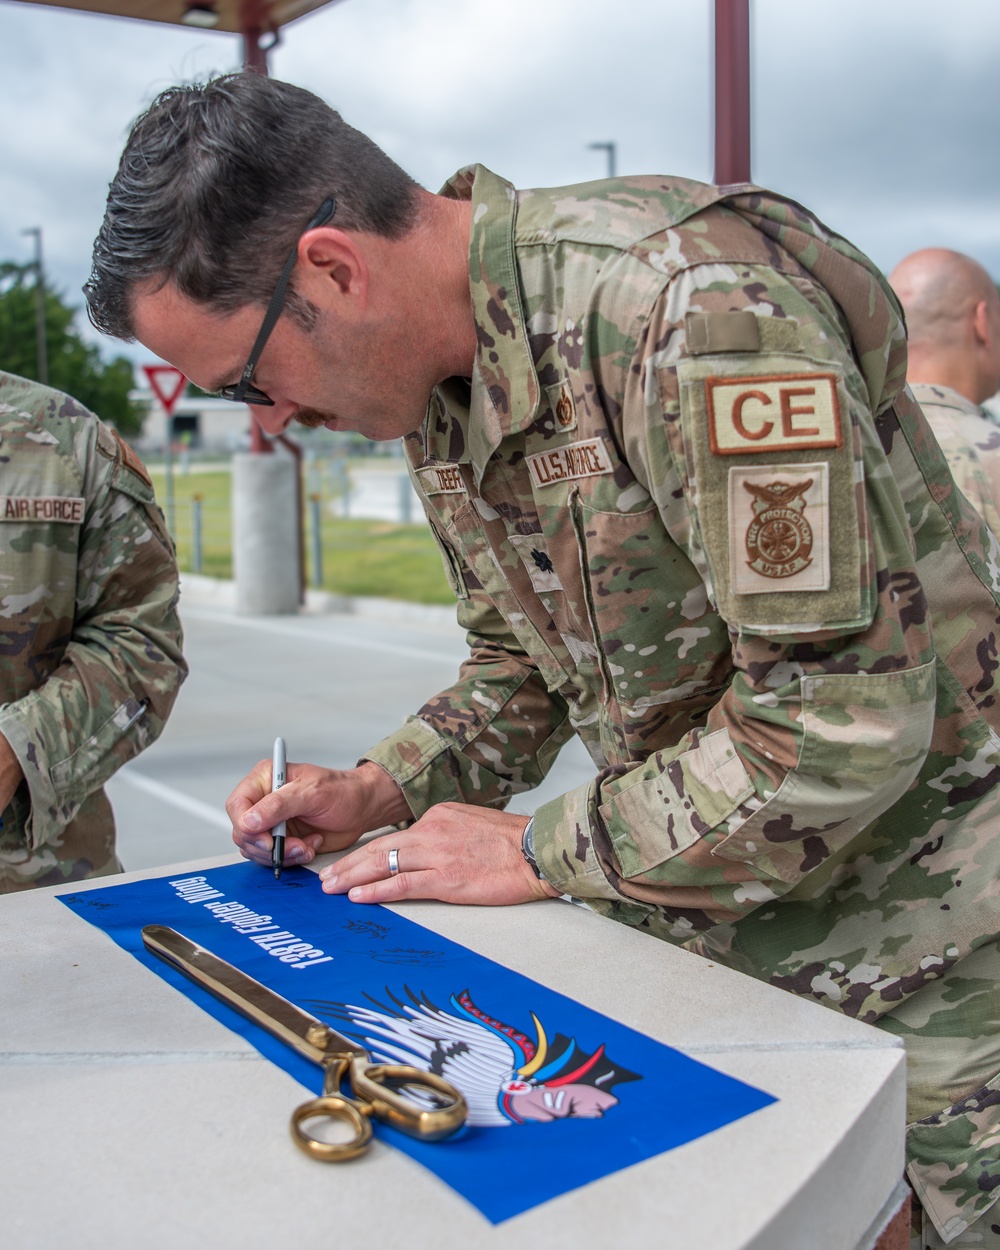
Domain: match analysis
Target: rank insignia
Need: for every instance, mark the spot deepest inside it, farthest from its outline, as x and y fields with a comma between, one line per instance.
x=538, y=564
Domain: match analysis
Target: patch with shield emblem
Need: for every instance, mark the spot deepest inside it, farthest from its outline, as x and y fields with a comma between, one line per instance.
x=779, y=528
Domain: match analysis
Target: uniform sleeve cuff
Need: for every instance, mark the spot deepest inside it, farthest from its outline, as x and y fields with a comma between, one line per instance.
x=46, y=816
x=407, y=756
x=564, y=846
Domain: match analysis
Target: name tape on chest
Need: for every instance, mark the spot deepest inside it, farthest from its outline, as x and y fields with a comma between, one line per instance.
x=780, y=412
x=441, y=479
x=585, y=459
x=42, y=508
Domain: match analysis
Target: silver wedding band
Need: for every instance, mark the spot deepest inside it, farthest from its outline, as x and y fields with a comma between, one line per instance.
x=393, y=863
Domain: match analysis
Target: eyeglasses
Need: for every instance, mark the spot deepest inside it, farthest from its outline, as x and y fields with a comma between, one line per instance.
x=242, y=392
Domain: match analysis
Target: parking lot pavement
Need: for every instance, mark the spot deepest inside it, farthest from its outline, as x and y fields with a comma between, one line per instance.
x=330, y=685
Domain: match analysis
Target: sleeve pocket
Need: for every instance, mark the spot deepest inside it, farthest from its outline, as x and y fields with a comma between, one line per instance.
x=654, y=816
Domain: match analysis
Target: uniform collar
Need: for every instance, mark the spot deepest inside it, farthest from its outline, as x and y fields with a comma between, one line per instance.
x=505, y=389
x=945, y=397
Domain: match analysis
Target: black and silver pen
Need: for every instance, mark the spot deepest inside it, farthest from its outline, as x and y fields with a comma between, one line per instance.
x=277, y=781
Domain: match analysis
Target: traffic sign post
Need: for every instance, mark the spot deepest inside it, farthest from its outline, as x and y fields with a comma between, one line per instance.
x=167, y=384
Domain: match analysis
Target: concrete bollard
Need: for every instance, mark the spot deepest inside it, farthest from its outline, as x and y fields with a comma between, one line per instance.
x=265, y=534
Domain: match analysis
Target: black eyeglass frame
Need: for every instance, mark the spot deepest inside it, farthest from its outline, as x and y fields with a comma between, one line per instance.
x=243, y=392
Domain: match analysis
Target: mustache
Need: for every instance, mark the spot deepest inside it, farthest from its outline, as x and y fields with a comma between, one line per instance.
x=313, y=418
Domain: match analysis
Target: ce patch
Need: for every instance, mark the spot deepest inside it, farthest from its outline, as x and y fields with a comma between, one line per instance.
x=790, y=412
x=776, y=491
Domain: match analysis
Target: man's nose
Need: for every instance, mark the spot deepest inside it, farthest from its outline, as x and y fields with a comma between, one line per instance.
x=274, y=420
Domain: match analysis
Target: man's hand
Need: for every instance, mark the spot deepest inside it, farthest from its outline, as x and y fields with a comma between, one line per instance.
x=325, y=809
x=455, y=852
x=11, y=775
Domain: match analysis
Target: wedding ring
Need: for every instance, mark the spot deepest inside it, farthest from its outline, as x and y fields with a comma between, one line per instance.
x=393, y=863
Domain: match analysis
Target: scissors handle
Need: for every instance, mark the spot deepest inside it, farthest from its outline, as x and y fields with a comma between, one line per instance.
x=332, y=1107
x=447, y=1112
x=376, y=1098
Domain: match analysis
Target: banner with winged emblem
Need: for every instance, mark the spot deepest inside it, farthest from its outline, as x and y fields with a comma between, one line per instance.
x=559, y=1095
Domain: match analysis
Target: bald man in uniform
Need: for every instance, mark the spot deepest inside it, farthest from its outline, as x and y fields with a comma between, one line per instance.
x=953, y=337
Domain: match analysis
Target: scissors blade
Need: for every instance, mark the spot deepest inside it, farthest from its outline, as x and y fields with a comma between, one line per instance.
x=290, y=1024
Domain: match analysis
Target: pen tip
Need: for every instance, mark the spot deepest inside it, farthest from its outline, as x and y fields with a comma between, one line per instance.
x=277, y=873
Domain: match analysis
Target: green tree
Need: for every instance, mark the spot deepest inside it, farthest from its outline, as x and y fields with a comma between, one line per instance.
x=74, y=366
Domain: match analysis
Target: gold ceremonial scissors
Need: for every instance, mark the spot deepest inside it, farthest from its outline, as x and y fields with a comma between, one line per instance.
x=372, y=1083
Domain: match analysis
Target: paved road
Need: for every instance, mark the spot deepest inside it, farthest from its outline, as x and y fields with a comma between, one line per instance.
x=331, y=685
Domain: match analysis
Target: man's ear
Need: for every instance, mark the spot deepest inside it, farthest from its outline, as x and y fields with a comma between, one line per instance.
x=981, y=325
x=331, y=262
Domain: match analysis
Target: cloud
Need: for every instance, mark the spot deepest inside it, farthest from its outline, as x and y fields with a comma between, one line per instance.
x=880, y=115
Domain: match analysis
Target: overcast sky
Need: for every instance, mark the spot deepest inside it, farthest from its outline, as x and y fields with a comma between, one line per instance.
x=882, y=116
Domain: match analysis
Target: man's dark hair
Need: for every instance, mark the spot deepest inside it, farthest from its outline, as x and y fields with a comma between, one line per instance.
x=216, y=183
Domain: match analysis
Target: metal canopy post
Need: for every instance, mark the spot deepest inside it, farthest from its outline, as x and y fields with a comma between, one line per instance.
x=732, y=91
x=254, y=53
x=256, y=24
x=255, y=58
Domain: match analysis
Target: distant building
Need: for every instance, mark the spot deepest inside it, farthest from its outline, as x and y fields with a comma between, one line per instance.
x=220, y=427
x=199, y=422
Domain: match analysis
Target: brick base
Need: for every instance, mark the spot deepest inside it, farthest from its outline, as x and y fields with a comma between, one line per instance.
x=896, y=1234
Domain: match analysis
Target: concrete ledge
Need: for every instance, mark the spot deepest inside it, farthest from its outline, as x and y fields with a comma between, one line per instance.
x=220, y=593
x=891, y=1227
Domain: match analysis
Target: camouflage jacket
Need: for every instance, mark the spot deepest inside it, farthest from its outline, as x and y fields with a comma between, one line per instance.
x=692, y=515
x=90, y=642
x=970, y=441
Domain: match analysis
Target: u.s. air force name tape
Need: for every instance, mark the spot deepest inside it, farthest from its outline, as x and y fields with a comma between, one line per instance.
x=588, y=458
x=42, y=508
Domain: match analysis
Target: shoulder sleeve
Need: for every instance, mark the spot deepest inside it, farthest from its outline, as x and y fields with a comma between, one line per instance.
x=112, y=687
x=761, y=450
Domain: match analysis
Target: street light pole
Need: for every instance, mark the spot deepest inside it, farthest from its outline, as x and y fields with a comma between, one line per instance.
x=42, y=360
x=611, y=149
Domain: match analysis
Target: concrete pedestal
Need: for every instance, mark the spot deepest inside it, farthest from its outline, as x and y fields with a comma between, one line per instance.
x=265, y=535
x=133, y=1118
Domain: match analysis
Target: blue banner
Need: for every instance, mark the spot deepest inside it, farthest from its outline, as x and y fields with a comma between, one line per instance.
x=558, y=1095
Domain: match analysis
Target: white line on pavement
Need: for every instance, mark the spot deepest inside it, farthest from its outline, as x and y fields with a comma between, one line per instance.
x=305, y=635
x=176, y=798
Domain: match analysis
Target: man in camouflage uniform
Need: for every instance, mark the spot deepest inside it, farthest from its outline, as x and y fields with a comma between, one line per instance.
x=953, y=343
x=690, y=513
x=91, y=660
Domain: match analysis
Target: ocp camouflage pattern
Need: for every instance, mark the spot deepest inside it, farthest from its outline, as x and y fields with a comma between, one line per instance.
x=800, y=783
x=90, y=641
x=970, y=440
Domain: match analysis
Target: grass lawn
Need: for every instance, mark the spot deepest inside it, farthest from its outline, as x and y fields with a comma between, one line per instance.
x=360, y=557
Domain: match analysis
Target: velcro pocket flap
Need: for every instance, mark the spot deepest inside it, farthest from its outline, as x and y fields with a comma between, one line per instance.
x=653, y=814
